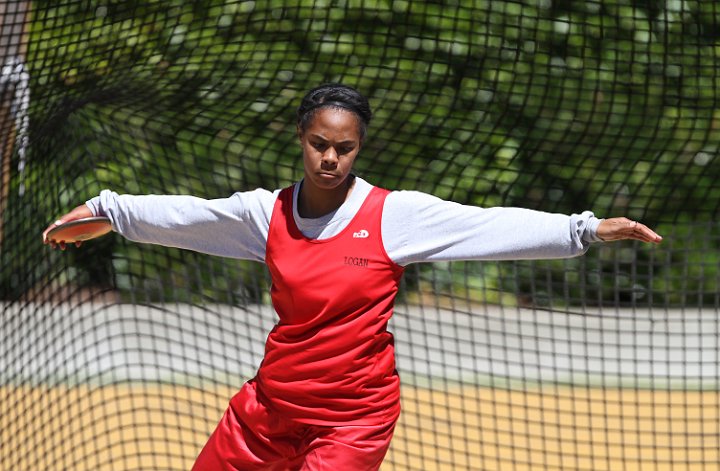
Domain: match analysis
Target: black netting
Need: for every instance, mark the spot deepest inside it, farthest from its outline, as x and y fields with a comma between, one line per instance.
x=123, y=356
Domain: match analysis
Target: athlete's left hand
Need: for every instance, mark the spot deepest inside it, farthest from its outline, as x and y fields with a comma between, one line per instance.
x=79, y=212
x=624, y=228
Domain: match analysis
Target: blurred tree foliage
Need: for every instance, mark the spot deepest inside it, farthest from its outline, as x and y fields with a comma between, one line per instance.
x=554, y=105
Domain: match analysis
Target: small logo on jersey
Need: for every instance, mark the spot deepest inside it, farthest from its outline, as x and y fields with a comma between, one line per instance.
x=361, y=234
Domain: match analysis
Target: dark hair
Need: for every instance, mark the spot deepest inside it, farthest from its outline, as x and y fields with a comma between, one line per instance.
x=334, y=95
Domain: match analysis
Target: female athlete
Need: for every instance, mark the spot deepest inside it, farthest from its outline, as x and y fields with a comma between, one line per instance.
x=327, y=395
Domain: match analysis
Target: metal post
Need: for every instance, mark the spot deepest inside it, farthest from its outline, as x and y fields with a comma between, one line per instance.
x=14, y=36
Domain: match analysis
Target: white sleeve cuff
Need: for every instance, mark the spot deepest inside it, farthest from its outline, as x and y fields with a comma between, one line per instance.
x=94, y=206
x=590, y=234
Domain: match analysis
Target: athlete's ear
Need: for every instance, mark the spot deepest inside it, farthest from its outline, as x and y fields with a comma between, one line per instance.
x=299, y=133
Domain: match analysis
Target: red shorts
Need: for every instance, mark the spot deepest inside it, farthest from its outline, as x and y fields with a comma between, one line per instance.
x=251, y=437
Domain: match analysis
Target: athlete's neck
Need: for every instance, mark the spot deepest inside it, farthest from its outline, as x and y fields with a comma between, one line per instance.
x=314, y=202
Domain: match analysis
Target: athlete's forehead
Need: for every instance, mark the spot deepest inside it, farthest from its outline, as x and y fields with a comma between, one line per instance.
x=334, y=124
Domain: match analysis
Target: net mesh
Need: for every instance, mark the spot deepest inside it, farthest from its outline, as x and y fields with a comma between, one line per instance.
x=123, y=356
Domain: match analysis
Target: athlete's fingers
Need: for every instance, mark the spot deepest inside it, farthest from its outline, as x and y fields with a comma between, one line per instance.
x=645, y=234
x=48, y=229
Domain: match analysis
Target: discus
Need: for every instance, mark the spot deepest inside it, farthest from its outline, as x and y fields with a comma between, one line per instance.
x=79, y=230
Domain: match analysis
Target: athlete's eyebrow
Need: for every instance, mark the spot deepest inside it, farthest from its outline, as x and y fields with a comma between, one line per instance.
x=345, y=142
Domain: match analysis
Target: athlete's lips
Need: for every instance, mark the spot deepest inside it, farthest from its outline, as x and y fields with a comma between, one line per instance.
x=327, y=175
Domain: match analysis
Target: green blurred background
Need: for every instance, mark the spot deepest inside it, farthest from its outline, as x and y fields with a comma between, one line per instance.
x=554, y=105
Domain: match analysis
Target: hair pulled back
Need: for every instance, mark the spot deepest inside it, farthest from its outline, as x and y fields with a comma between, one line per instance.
x=338, y=96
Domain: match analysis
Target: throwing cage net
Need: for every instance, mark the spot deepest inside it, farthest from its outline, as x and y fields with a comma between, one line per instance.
x=123, y=356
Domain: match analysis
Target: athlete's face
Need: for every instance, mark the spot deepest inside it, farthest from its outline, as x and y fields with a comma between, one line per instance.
x=330, y=144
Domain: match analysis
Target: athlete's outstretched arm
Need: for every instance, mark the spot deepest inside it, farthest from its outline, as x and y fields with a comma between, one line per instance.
x=232, y=227
x=418, y=227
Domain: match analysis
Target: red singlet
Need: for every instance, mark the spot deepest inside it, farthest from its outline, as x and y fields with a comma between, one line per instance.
x=330, y=359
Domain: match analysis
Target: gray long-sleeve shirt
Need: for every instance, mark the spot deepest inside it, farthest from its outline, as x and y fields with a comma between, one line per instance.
x=416, y=227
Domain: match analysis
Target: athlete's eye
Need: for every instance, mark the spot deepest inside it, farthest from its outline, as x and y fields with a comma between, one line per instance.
x=320, y=146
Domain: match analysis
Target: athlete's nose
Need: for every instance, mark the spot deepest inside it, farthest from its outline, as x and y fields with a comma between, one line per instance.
x=330, y=156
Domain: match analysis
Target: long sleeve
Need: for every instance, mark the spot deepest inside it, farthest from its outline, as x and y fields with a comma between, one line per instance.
x=235, y=227
x=417, y=227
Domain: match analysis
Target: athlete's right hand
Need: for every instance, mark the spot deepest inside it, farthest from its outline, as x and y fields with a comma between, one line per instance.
x=623, y=228
x=79, y=212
